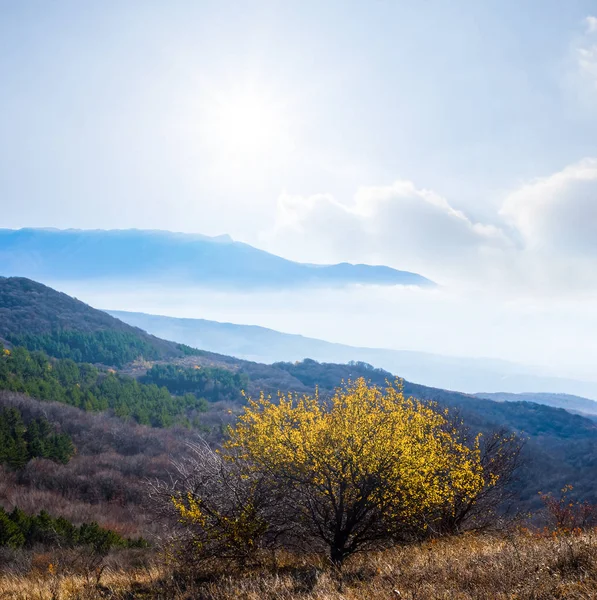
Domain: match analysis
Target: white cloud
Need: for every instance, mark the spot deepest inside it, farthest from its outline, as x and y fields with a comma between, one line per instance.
x=396, y=224
x=545, y=234
x=587, y=61
x=558, y=214
x=586, y=51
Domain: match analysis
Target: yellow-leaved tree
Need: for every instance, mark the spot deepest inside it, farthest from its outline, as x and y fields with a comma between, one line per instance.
x=364, y=468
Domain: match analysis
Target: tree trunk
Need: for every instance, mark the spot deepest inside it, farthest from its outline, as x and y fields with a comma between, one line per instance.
x=337, y=556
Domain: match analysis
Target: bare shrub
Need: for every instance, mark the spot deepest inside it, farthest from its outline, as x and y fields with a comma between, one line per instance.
x=240, y=513
x=565, y=514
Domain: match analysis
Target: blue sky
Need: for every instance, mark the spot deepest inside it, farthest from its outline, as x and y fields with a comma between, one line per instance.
x=318, y=130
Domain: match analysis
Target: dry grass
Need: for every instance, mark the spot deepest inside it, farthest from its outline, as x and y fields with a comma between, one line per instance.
x=521, y=566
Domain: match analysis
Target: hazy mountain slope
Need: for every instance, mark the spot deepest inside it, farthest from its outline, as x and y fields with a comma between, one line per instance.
x=162, y=256
x=566, y=401
x=266, y=345
x=39, y=317
x=562, y=446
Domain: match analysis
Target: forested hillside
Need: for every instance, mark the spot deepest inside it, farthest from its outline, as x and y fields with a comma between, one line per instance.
x=40, y=318
x=89, y=388
x=212, y=383
x=103, y=479
x=561, y=447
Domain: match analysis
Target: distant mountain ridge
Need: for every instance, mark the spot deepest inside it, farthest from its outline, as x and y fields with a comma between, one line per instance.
x=167, y=257
x=567, y=401
x=260, y=344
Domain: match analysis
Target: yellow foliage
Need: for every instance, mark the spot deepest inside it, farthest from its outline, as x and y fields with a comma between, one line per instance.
x=237, y=531
x=189, y=511
x=363, y=468
x=363, y=433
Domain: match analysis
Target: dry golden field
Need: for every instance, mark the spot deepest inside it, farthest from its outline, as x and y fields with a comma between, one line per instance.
x=522, y=565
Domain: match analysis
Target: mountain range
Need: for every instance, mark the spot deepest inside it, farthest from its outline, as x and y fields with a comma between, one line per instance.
x=265, y=345
x=165, y=257
x=561, y=447
x=569, y=402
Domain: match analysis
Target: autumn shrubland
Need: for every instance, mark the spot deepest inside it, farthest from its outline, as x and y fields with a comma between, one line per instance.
x=365, y=469
x=364, y=494
x=163, y=480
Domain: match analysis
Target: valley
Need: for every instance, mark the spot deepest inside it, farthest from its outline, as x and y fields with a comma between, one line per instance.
x=131, y=406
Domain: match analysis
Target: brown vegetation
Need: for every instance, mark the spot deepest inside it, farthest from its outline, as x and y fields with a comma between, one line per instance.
x=105, y=481
x=521, y=565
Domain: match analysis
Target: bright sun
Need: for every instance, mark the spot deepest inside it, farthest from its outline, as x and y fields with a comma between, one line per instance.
x=247, y=126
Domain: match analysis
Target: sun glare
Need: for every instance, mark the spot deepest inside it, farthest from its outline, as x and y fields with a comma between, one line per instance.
x=248, y=126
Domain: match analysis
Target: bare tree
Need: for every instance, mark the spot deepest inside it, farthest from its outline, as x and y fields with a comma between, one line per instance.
x=501, y=459
x=216, y=508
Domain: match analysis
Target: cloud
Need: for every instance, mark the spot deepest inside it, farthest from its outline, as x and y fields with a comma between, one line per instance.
x=397, y=224
x=543, y=236
x=586, y=51
x=557, y=214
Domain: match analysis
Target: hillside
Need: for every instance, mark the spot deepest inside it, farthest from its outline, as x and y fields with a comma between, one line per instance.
x=265, y=345
x=104, y=481
x=40, y=318
x=166, y=257
x=567, y=401
x=81, y=444
x=562, y=447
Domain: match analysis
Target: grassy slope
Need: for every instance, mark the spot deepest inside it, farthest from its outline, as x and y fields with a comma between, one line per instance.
x=521, y=566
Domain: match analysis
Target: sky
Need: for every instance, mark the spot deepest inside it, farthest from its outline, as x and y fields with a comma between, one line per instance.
x=456, y=139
